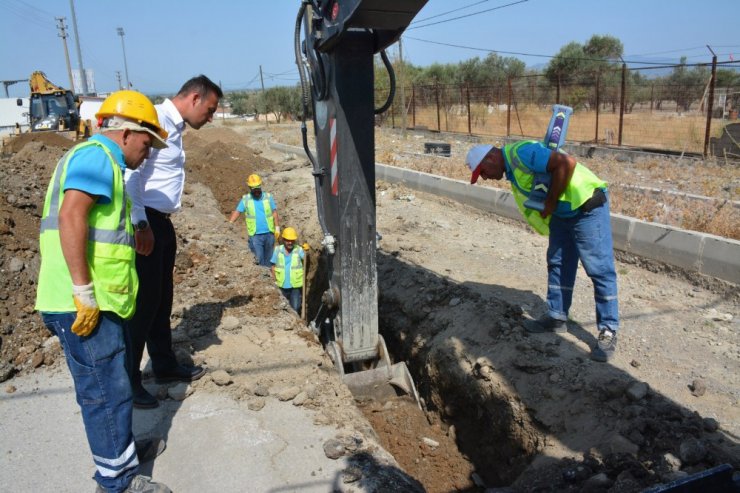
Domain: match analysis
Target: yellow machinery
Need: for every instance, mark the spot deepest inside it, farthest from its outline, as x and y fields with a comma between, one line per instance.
x=53, y=108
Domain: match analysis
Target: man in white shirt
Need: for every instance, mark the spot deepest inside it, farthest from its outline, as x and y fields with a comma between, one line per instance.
x=155, y=190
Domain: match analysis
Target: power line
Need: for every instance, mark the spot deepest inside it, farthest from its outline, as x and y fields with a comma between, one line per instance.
x=450, y=11
x=28, y=16
x=468, y=15
x=488, y=50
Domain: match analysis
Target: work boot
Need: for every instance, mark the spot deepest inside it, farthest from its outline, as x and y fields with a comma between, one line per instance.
x=180, y=373
x=546, y=324
x=605, y=346
x=142, y=398
x=141, y=484
x=149, y=449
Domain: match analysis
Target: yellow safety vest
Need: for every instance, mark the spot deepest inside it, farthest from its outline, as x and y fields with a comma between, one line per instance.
x=296, y=267
x=110, y=248
x=251, y=213
x=580, y=188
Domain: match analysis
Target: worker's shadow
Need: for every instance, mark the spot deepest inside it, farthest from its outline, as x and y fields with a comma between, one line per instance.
x=197, y=330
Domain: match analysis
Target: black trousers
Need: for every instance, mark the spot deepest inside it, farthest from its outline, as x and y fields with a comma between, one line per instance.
x=150, y=324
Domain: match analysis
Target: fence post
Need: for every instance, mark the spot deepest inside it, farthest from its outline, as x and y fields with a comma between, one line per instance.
x=508, y=110
x=413, y=105
x=470, y=128
x=445, y=104
x=652, y=100
x=393, y=117
x=710, y=105
x=598, y=103
x=436, y=97
x=622, y=98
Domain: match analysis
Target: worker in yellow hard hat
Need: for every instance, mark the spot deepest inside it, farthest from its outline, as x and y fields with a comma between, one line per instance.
x=261, y=218
x=287, y=268
x=88, y=283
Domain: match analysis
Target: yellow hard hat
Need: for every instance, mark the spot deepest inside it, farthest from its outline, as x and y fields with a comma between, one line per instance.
x=290, y=234
x=134, y=106
x=254, y=181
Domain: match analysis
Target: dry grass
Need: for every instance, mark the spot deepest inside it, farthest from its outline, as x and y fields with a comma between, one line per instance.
x=656, y=130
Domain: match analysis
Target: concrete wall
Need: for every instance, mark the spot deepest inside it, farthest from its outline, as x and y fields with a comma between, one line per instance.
x=704, y=253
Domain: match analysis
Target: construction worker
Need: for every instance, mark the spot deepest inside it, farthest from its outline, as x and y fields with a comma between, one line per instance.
x=262, y=220
x=288, y=258
x=576, y=217
x=87, y=282
x=156, y=191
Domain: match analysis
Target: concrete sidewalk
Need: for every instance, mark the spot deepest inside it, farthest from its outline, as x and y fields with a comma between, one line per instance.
x=215, y=444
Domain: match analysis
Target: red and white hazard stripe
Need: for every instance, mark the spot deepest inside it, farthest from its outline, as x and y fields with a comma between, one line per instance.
x=333, y=156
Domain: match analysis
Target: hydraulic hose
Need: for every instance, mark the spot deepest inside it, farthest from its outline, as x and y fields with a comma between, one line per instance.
x=392, y=84
x=318, y=172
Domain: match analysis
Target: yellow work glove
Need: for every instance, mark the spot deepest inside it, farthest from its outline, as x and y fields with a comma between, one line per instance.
x=277, y=234
x=306, y=247
x=87, y=310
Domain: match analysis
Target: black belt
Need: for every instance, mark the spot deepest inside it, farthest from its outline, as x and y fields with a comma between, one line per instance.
x=155, y=212
x=597, y=200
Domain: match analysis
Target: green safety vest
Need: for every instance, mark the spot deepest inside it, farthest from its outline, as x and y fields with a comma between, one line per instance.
x=110, y=248
x=251, y=213
x=296, y=267
x=580, y=188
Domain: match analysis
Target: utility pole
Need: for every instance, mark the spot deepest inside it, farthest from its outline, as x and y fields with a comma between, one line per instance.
x=402, y=82
x=83, y=77
x=63, y=34
x=262, y=82
x=118, y=78
x=125, y=64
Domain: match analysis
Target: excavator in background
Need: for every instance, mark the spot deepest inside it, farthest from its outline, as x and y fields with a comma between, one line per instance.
x=335, y=62
x=53, y=108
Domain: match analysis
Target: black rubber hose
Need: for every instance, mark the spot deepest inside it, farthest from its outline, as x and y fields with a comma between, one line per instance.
x=392, y=78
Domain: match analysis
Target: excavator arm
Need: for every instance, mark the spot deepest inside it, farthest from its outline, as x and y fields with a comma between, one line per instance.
x=336, y=66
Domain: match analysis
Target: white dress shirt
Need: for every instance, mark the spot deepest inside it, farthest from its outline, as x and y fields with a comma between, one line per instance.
x=159, y=181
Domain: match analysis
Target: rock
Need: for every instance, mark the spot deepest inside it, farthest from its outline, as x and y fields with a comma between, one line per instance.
x=37, y=359
x=637, y=391
x=670, y=462
x=351, y=474
x=261, y=390
x=634, y=363
x=221, y=377
x=599, y=482
x=710, y=424
x=617, y=444
x=288, y=394
x=10, y=389
x=16, y=265
x=692, y=451
x=430, y=442
x=698, y=387
x=300, y=399
x=671, y=476
x=180, y=391
x=455, y=301
x=230, y=323
x=333, y=449
x=256, y=404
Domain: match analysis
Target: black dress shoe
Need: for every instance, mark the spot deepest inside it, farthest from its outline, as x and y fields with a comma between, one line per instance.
x=143, y=399
x=181, y=373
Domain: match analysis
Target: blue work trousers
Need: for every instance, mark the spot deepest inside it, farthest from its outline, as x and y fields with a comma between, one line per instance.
x=262, y=245
x=98, y=367
x=293, y=295
x=588, y=237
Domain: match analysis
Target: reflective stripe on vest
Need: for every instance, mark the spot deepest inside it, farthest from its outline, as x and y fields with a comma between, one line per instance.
x=580, y=188
x=110, y=247
x=296, y=267
x=251, y=213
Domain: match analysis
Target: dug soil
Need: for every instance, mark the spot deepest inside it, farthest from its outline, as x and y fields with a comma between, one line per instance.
x=499, y=408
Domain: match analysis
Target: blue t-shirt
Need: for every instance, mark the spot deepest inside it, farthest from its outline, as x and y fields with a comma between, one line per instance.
x=534, y=155
x=89, y=169
x=288, y=258
x=259, y=211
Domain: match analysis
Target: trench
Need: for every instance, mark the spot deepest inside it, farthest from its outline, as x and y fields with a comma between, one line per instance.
x=472, y=432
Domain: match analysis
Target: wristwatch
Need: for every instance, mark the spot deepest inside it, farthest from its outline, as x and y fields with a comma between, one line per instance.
x=141, y=225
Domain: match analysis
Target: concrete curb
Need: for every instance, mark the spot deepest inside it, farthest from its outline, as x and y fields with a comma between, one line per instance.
x=698, y=252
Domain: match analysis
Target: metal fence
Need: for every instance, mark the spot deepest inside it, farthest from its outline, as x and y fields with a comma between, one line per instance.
x=611, y=108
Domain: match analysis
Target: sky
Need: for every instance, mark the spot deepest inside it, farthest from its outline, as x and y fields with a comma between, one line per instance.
x=166, y=43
